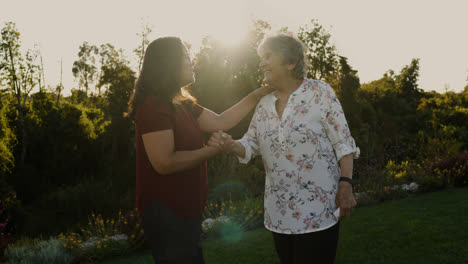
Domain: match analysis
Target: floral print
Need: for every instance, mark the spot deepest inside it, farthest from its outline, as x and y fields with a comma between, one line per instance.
x=300, y=152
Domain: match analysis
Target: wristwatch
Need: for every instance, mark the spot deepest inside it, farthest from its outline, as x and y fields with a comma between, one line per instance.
x=346, y=179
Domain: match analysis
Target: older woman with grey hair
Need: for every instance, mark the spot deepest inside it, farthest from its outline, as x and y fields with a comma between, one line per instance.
x=307, y=150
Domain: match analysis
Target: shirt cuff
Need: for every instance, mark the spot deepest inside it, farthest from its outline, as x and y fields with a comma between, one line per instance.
x=248, y=152
x=343, y=149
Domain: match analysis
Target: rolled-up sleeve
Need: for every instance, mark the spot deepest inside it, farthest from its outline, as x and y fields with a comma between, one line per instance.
x=249, y=140
x=336, y=127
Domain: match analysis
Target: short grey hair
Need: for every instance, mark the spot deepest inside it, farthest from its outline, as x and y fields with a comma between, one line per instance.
x=290, y=48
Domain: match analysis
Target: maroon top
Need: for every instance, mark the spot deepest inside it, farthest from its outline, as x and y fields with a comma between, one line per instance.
x=185, y=192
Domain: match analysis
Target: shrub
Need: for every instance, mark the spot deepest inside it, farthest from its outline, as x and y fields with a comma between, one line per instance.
x=106, y=237
x=430, y=174
x=69, y=205
x=452, y=170
x=441, y=172
x=406, y=171
x=46, y=251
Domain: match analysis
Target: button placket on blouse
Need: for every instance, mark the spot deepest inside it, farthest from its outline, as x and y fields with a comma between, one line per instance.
x=281, y=125
x=284, y=118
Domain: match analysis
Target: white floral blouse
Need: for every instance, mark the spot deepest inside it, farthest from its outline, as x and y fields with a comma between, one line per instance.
x=300, y=153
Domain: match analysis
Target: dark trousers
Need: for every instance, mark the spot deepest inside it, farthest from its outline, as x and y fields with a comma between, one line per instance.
x=315, y=247
x=172, y=239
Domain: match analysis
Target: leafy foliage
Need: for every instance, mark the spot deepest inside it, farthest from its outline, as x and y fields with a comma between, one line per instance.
x=7, y=138
x=321, y=53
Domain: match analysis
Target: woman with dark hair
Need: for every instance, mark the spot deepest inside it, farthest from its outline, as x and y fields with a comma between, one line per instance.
x=171, y=176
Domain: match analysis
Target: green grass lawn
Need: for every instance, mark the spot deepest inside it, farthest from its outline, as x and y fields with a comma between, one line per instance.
x=426, y=228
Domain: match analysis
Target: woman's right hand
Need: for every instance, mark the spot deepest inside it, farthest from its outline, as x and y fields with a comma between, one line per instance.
x=222, y=141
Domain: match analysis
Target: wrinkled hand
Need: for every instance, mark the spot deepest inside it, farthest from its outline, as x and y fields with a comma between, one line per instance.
x=345, y=199
x=222, y=141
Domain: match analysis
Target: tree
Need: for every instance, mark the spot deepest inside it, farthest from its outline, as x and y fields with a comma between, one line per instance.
x=378, y=88
x=140, y=50
x=347, y=80
x=42, y=82
x=84, y=69
x=321, y=52
x=120, y=79
x=346, y=87
x=407, y=81
x=445, y=130
x=59, y=87
x=110, y=60
x=19, y=74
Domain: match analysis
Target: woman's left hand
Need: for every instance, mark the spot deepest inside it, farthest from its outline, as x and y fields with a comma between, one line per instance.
x=345, y=199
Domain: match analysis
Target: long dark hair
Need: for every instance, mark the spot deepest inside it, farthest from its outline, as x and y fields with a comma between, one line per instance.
x=160, y=74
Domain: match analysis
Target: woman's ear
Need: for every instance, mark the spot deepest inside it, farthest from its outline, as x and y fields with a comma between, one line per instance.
x=291, y=66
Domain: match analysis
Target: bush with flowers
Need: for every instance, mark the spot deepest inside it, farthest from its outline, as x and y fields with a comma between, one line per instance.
x=425, y=174
x=451, y=170
x=104, y=237
x=454, y=169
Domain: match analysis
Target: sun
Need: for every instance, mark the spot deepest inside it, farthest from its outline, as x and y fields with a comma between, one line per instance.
x=230, y=32
x=227, y=22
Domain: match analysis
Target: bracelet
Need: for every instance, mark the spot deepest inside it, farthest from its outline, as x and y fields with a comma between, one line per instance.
x=346, y=179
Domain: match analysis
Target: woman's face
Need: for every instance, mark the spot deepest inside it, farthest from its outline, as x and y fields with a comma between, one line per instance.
x=273, y=68
x=187, y=76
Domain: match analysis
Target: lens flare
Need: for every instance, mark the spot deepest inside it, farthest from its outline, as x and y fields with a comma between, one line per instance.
x=232, y=232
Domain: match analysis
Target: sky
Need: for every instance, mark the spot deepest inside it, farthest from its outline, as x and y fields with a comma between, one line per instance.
x=374, y=35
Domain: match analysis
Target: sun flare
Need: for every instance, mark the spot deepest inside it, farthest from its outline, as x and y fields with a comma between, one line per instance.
x=229, y=26
x=230, y=33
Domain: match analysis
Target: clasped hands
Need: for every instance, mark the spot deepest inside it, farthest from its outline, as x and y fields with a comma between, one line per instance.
x=222, y=141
